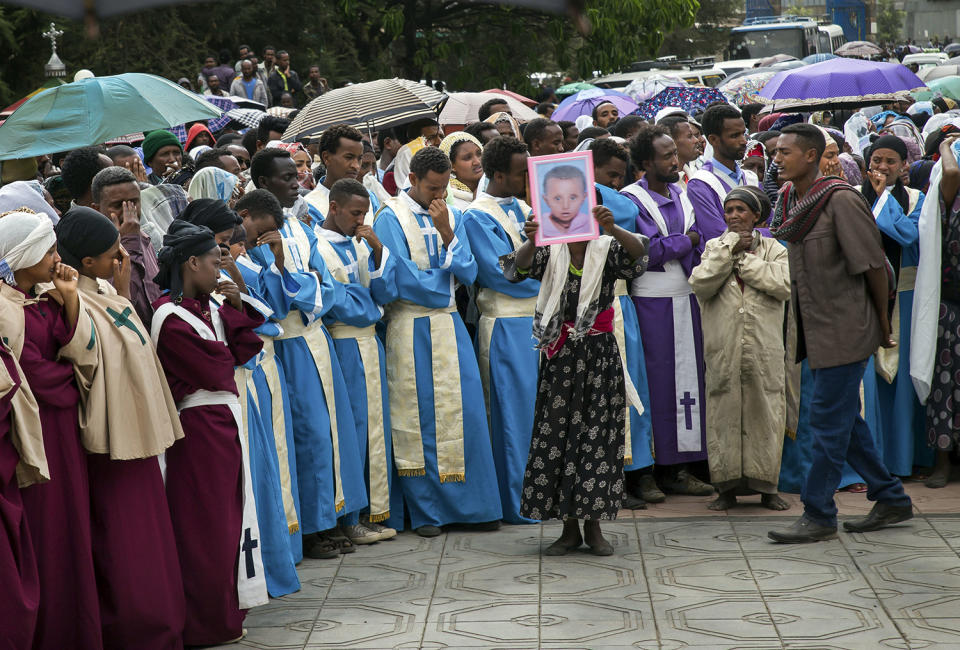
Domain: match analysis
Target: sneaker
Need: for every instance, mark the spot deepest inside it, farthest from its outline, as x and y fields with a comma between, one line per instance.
x=359, y=534
x=385, y=532
x=649, y=491
x=686, y=483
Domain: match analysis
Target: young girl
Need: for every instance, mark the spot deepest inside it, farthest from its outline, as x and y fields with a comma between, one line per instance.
x=129, y=418
x=208, y=484
x=575, y=467
x=55, y=337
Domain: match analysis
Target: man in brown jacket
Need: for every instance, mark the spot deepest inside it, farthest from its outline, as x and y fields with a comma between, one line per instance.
x=840, y=288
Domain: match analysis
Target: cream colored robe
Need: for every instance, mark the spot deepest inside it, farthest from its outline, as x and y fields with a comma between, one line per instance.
x=743, y=350
x=128, y=410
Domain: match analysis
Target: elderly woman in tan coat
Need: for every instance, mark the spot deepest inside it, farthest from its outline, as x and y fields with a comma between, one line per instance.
x=742, y=284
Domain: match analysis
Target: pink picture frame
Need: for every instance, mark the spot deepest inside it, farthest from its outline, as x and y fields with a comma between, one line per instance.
x=562, y=196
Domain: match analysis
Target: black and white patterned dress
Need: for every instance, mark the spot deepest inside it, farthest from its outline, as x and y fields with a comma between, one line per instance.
x=575, y=466
x=943, y=420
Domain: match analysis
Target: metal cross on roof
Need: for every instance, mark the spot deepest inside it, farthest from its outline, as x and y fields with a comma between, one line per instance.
x=53, y=34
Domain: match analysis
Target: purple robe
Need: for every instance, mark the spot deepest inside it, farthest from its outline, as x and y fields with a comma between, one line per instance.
x=58, y=512
x=707, y=205
x=143, y=290
x=18, y=565
x=204, y=468
x=674, y=358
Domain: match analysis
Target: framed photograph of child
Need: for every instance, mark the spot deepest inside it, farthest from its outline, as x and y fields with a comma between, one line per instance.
x=563, y=198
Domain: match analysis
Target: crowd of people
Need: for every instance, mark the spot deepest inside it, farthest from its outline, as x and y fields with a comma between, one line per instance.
x=225, y=355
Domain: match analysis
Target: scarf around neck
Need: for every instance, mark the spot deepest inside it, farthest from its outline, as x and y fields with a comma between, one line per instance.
x=548, y=318
x=792, y=218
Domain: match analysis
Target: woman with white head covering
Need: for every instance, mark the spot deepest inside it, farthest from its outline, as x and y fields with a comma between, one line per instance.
x=464, y=151
x=214, y=183
x=55, y=342
x=27, y=194
x=159, y=206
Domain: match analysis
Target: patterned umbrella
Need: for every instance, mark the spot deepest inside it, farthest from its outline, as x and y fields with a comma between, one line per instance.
x=643, y=89
x=249, y=117
x=746, y=89
x=224, y=104
x=839, y=83
x=689, y=99
x=945, y=86
x=373, y=105
x=858, y=48
x=583, y=103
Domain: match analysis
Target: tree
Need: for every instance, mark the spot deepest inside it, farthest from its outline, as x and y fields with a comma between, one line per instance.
x=889, y=22
x=468, y=45
x=710, y=33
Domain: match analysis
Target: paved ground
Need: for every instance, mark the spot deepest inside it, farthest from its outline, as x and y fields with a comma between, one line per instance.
x=696, y=581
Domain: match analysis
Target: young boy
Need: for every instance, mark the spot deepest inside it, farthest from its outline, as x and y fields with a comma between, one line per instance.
x=357, y=260
x=208, y=482
x=128, y=418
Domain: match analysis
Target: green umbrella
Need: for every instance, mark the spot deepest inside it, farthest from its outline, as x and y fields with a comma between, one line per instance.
x=95, y=110
x=946, y=86
x=570, y=89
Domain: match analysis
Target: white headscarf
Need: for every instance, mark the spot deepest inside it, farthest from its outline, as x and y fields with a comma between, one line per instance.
x=24, y=239
x=213, y=183
x=26, y=194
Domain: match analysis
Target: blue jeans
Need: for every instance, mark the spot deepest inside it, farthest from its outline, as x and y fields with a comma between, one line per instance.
x=839, y=433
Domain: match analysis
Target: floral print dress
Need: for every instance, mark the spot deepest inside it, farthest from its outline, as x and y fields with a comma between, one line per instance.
x=943, y=420
x=575, y=466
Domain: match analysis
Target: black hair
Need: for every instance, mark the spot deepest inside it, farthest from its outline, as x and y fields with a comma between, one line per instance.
x=564, y=173
x=368, y=148
x=498, y=154
x=212, y=158
x=476, y=128
x=626, y=124
x=565, y=127
x=224, y=57
x=747, y=111
x=269, y=47
x=270, y=123
x=249, y=142
x=264, y=161
x=714, y=117
x=314, y=66
x=429, y=159
x=120, y=151
x=383, y=134
x=641, y=145
x=244, y=47
x=485, y=109
x=920, y=119
x=766, y=135
x=536, y=130
x=671, y=122
x=229, y=138
x=330, y=139
x=345, y=188
x=592, y=132
x=810, y=137
x=543, y=106
x=593, y=114
x=79, y=168
x=415, y=129
x=261, y=202
x=606, y=149
x=110, y=176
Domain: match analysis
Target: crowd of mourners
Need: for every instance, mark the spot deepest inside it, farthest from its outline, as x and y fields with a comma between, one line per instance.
x=226, y=354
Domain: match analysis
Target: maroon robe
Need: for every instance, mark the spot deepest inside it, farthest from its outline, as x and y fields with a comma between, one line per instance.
x=204, y=469
x=135, y=555
x=18, y=565
x=58, y=512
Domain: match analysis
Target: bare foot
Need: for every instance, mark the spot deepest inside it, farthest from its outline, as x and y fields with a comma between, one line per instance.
x=774, y=502
x=725, y=501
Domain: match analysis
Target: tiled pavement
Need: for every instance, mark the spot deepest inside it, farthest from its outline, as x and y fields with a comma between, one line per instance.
x=682, y=577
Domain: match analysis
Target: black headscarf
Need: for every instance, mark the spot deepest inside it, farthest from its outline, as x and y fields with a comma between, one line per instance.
x=899, y=192
x=182, y=241
x=84, y=232
x=212, y=213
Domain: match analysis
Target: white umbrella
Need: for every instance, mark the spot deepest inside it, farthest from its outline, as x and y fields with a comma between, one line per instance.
x=643, y=89
x=462, y=108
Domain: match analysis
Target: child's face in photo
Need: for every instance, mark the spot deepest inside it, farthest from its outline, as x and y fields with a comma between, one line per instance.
x=564, y=196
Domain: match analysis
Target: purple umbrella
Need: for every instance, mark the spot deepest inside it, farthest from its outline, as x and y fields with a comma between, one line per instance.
x=839, y=82
x=583, y=103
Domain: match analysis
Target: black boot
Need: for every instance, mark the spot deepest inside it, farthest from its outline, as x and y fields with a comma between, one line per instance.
x=881, y=515
x=803, y=531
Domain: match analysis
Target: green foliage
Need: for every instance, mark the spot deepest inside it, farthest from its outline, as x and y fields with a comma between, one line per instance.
x=469, y=46
x=709, y=35
x=889, y=21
